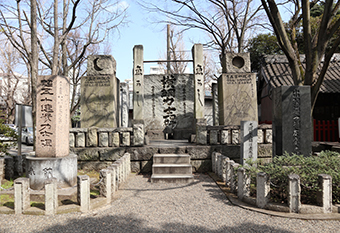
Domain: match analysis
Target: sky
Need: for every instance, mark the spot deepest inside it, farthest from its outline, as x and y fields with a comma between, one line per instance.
x=141, y=32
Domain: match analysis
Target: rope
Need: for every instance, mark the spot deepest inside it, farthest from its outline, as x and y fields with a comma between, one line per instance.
x=99, y=182
x=9, y=189
x=276, y=186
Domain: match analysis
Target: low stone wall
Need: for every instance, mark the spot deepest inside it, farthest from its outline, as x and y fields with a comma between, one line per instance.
x=239, y=184
x=111, y=179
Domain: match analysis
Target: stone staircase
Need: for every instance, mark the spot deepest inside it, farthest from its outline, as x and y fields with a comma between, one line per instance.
x=171, y=168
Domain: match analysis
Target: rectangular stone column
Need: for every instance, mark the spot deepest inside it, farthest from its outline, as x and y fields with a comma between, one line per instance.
x=324, y=197
x=224, y=168
x=53, y=93
x=80, y=139
x=294, y=193
x=243, y=183
x=215, y=104
x=113, y=180
x=213, y=137
x=138, y=135
x=21, y=195
x=213, y=161
x=105, y=184
x=228, y=172
x=224, y=137
x=201, y=134
x=262, y=189
x=233, y=187
x=83, y=192
x=116, y=169
x=219, y=165
x=51, y=197
x=292, y=124
x=138, y=82
x=125, y=139
x=197, y=55
x=92, y=137
x=248, y=141
x=124, y=104
x=103, y=139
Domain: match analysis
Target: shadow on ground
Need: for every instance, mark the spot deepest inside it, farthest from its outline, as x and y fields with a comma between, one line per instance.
x=133, y=224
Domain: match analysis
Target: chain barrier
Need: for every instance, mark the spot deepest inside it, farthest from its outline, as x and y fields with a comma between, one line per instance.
x=276, y=186
x=9, y=189
x=98, y=182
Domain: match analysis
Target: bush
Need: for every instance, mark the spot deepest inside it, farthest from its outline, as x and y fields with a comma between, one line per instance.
x=308, y=168
x=8, y=133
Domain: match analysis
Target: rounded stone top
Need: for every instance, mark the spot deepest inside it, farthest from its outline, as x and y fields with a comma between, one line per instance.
x=238, y=62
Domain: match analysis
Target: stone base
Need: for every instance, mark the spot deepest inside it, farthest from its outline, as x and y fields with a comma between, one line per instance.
x=42, y=169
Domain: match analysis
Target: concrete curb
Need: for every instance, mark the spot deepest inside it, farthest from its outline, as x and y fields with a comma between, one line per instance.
x=234, y=200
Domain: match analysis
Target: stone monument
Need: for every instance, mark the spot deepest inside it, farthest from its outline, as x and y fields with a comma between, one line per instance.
x=292, y=124
x=138, y=83
x=237, y=97
x=51, y=159
x=99, y=93
x=248, y=141
x=124, y=104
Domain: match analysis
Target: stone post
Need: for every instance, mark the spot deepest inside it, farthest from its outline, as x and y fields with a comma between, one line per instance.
x=243, y=183
x=92, y=137
x=197, y=55
x=224, y=161
x=83, y=192
x=215, y=104
x=248, y=141
x=138, y=134
x=51, y=197
x=124, y=104
x=116, y=170
x=21, y=195
x=324, y=197
x=233, y=187
x=138, y=83
x=113, y=180
x=201, y=134
x=106, y=184
x=262, y=189
x=228, y=172
x=219, y=164
x=294, y=193
x=213, y=161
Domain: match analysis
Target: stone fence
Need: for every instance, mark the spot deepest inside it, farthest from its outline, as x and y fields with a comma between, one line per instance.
x=111, y=179
x=230, y=134
x=107, y=137
x=239, y=183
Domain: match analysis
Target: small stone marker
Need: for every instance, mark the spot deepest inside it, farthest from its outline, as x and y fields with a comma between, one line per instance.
x=124, y=104
x=292, y=125
x=83, y=192
x=248, y=141
x=197, y=55
x=53, y=116
x=99, y=93
x=138, y=83
x=21, y=195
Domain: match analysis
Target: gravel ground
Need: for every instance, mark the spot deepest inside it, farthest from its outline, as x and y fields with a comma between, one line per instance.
x=145, y=207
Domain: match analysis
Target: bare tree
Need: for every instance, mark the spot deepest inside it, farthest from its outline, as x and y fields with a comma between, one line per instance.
x=225, y=21
x=317, y=56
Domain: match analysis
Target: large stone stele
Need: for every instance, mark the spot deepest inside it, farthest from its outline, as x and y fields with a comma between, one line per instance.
x=237, y=99
x=99, y=93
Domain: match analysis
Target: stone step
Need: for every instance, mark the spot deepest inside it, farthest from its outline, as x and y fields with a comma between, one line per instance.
x=171, y=169
x=171, y=158
x=170, y=178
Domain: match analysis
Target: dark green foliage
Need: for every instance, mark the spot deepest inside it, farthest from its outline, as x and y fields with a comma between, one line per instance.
x=262, y=44
x=308, y=168
x=8, y=133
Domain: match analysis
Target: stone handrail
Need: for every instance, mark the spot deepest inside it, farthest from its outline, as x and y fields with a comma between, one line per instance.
x=239, y=183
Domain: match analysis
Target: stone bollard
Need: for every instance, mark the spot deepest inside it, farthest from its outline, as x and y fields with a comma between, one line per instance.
x=229, y=166
x=113, y=180
x=128, y=155
x=262, y=189
x=138, y=135
x=219, y=164
x=201, y=134
x=324, y=197
x=233, y=187
x=294, y=193
x=119, y=173
x=213, y=137
x=243, y=183
x=105, y=184
x=116, y=170
x=51, y=197
x=9, y=168
x=213, y=161
x=21, y=195
x=224, y=168
x=224, y=137
x=17, y=166
x=83, y=192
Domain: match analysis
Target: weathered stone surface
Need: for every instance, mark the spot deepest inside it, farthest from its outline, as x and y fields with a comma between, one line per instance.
x=99, y=98
x=142, y=153
x=87, y=154
x=269, y=136
x=103, y=140
x=215, y=104
x=111, y=153
x=135, y=166
x=201, y=134
x=2, y=168
x=80, y=140
x=198, y=67
x=235, y=136
x=18, y=167
x=264, y=151
x=138, y=135
x=213, y=137
x=201, y=165
x=225, y=139
x=9, y=167
x=260, y=136
x=72, y=140
x=124, y=104
x=292, y=122
x=172, y=150
x=237, y=98
x=169, y=105
x=248, y=141
x=83, y=192
x=125, y=139
x=236, y=63
x=324, y=196
x=92, y=137
x=262, y=189
x=199, y=152
x=294, y=193
x=138, y=82
x=115, y=139
x=53, y=117
x=93, y=165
